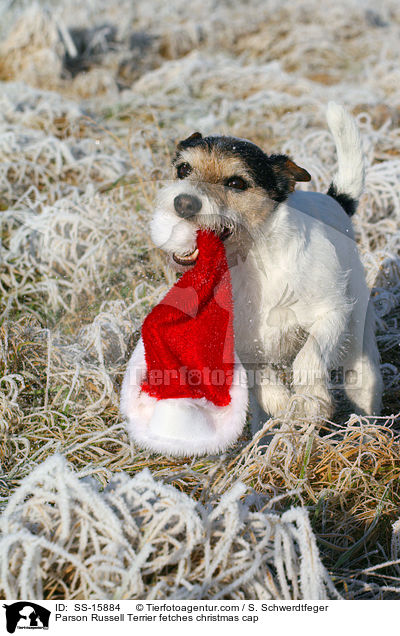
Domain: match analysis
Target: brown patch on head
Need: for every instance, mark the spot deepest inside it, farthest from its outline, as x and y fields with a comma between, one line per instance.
x=252, y=207
x=213, y=165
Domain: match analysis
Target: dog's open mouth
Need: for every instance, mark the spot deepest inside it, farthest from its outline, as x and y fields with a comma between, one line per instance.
x=189, y=259
x=186, y=259
x=225, y=234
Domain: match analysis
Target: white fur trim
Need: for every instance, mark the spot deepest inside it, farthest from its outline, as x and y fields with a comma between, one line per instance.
x=181, y=426
x=351, y=170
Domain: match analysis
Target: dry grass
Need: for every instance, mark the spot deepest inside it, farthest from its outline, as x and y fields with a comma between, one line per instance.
x=78, y=174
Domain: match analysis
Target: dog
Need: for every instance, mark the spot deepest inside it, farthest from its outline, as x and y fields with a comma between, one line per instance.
x=302, y=307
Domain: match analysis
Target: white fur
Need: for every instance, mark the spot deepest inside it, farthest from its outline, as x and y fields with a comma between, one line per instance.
x=309, y=249
x=351, y=173
x=167, y=230
x=303, y=276
x=181, y=426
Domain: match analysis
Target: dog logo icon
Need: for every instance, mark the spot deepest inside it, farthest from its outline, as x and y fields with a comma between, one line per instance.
x=26, y=615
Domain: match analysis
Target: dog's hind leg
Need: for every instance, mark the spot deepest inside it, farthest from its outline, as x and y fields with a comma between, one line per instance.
x=313, y=362
x=362, y=376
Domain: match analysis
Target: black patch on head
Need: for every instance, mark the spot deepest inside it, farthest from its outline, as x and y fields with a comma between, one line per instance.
x=269, y=172
x=347, y=202
x=256, y=161
x=190, y=141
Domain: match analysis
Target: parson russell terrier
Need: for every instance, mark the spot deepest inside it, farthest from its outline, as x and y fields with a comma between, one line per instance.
x=302, y=306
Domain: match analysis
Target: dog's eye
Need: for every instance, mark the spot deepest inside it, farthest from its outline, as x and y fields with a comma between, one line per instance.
x=183, y=170
x=237, y=183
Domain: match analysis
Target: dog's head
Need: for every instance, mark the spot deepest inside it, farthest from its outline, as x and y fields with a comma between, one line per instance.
x=224, y=184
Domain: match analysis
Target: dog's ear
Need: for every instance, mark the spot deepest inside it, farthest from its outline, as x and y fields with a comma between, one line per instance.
x=286, y=174
x=297, y=173
x=190, y=141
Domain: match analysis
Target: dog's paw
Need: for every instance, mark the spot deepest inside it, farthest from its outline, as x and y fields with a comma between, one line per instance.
x=274, y=398
x=312, y=402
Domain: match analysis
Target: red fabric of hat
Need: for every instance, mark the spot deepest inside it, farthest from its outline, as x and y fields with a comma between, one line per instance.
x=188, y=337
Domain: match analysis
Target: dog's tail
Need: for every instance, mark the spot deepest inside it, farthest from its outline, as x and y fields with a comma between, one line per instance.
x=348, y=183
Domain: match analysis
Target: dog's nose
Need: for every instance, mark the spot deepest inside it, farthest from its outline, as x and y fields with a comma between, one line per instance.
x=187, y=205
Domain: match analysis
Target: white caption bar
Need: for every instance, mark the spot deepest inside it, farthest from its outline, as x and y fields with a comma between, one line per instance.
x=134, y=616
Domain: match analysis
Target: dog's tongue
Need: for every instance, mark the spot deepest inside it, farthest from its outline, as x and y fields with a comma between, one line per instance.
x=188, y=336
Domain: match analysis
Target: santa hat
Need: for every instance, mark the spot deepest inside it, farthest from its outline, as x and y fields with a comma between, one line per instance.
x=185, y=391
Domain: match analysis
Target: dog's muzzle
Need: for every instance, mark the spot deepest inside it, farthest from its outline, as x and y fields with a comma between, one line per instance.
x=187, y=205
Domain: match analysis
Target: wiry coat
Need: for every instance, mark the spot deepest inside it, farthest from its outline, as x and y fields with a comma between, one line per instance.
x=302, y=306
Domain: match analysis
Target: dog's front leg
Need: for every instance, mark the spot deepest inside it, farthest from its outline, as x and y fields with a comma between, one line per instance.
x=271, y=393
x=313, y=362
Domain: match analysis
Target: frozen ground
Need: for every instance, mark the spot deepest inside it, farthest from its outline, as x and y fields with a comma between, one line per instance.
x=92, y=98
